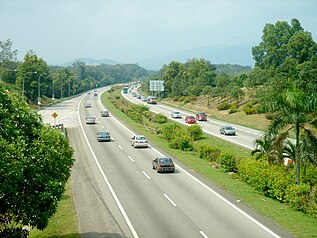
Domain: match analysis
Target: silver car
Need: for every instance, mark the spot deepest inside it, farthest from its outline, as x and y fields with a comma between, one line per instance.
x=105, y=114
x=139, y=141
x=90, y=120
x=228, y=130
x=177, y=115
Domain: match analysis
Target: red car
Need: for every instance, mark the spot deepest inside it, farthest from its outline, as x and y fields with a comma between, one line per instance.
x=190, y=119
x=201, y=116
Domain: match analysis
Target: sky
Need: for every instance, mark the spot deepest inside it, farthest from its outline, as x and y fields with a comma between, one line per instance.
x=131, y=30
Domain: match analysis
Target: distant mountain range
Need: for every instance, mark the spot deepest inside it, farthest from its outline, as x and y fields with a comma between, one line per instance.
x=216, y=54
x=89, y=61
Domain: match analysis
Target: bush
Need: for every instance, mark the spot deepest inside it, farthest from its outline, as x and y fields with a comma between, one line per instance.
x=161, y=119
x=228, y=162
x=207, y=152
x=170, y=130
x=249, y=109
x=223, y=106
x=195, y=132
x=233, y=108
x=135, y=116
x=182, y=142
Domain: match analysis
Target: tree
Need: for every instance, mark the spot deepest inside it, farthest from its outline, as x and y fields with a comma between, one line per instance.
x=35, y=164
x=32, y=74
x=295, y=111
x=8, y=62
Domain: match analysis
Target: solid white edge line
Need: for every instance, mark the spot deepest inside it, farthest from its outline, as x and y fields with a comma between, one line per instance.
x=145, y=174
x=114, y=195
x=170, y=200
x=130, y=158
x=203, y=234
x=212, y=191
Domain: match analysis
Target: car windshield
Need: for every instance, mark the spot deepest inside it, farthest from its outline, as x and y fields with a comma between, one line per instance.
x=165, y=161
x=140, y=138
x=229, y=128
x=104, y=133
x=190, y=117
x=176, y=112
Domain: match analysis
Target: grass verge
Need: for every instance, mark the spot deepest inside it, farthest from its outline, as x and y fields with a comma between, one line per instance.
x=63, y=224
x=296, y=223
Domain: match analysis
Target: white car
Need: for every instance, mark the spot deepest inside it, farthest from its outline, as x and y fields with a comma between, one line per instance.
x=139, y=141
x=177, y=115
x=90, y=120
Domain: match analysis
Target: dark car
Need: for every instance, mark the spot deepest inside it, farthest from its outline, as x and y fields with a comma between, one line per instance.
x=103, y=136
x=164, y=164
x=105, y=114
x=227, y=130
x=201, y=116
x=190, y=119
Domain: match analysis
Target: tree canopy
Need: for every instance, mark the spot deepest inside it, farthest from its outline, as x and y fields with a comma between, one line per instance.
x=35, y=164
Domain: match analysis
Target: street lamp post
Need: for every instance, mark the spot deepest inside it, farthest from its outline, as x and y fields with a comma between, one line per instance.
x=39, y=90
x=23, y=82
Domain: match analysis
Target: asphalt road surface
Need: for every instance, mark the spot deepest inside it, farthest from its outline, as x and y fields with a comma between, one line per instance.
x=118, y=194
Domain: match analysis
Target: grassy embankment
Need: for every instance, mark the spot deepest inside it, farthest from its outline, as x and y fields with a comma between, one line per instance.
x=297, y=223
x=63, y=224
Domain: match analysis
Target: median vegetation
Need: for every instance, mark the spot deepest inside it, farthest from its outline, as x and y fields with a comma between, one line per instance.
x=211, y=157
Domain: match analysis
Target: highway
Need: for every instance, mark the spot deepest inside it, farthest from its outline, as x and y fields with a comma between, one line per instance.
x=142, y=202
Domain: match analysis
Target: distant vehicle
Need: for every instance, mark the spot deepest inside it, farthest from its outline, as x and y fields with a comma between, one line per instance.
x=95, y=94
x=139, y=141
x=190, y=119
x=201, y=116
x=163, y=165
x=228, y=130
x=90, y=120
x=103, y=136
x=88, y=105
x=105, y=114
x=88, y=92
x=177, y=115
x=152, y=100
x=125, y=90
x=138, y=96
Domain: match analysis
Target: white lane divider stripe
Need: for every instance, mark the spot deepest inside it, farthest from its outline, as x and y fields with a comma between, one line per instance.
x=203, y=234
x=130, y=158
x=120, y=147
x=145, y=174
x=169, y=199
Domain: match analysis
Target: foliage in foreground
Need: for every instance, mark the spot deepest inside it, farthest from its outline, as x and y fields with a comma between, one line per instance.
x=35, y=163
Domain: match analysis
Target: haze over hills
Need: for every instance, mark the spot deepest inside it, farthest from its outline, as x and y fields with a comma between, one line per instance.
x=216, y=54
x=89, y=61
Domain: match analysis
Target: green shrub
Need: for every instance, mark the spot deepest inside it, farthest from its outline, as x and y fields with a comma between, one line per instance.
x=223, y=106
x=161, y=119
x=233, y=108
x=228, y=162
x=135, y=116
x=182, y=142
x=170, y=130
x=195, y=132
x=207, y=152
x=249, y=109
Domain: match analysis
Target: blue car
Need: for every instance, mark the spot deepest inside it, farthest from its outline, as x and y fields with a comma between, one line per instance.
x=103, y=136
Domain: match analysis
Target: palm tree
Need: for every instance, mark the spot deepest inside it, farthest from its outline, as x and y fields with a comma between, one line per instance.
x=295, y=112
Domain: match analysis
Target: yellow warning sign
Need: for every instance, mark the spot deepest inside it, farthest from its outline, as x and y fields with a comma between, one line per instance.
x=54, y=115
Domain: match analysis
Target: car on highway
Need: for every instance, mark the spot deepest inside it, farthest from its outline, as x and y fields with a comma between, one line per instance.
x=103, y=136
x=190, y=119
x=228, y=130
x=164, y=164
x=139, y=141
x=105, y=113
x=152, y=100
x=88, y=105
x=201, y=116
x=90, y=120
x=177, y=115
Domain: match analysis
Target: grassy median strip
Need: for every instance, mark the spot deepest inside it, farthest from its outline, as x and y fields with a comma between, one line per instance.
x=297, y=223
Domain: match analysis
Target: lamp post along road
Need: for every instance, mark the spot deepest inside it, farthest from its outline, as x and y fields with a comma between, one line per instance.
x=39, y=90
x=23, y=82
